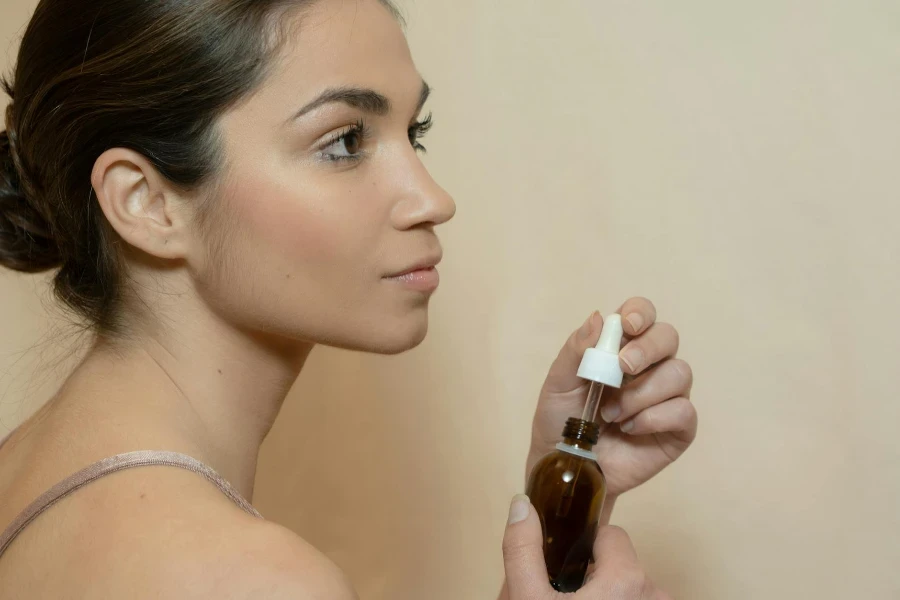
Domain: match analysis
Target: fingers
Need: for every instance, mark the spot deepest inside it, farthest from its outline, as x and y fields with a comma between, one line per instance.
x=613, y=547
x=563, y=377
x=616, y=573
x=670, y=379
x=613, y=553
x=676, y=416
x=638, y=315
x=654, y=342
x=659, y=342
x=523, y=553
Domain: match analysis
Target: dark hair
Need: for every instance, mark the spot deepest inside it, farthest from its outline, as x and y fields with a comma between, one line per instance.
x=98, y=74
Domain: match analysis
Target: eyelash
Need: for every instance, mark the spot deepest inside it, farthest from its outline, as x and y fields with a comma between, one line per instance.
x=416, y=132
x=419, y=130
x=359, y=128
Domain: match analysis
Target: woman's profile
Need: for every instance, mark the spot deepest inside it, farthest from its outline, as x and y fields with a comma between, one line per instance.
x=219, y=186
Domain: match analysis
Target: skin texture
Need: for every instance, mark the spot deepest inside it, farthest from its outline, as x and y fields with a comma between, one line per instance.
x=230, y=289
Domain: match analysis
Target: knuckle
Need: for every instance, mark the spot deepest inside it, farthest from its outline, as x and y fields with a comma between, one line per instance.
x=629, y=583
x=644, y=422
x=669, y=330
x=637, y=396
x=616, y=531
x=684, y=371
x=685, y=413
x=686, y=408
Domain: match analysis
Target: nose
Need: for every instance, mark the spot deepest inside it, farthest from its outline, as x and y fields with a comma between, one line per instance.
x=421, y=201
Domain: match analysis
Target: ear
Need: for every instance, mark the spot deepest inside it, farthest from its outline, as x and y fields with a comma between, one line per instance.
x=141, y=205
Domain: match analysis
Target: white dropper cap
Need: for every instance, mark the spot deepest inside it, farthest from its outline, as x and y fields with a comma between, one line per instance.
x=601, y=363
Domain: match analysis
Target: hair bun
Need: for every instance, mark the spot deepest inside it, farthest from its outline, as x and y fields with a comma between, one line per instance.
x=26, y=243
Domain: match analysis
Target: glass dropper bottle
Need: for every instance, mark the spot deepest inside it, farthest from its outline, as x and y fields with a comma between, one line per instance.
x=567, y=487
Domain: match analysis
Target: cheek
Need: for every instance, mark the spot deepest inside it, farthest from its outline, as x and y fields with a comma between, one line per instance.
x=301, y=253
x=304, y=229
x=300, y=260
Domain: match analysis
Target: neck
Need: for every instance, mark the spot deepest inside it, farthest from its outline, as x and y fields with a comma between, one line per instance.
x=209, y=390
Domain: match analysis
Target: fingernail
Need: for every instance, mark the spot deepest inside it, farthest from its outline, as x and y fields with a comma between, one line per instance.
x=634, y=358
x=610, y=412
x=636, y=320
x=518, y=510
x=588, y=326
x=627, y=426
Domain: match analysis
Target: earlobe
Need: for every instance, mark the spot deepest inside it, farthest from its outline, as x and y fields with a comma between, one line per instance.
x=140, y=205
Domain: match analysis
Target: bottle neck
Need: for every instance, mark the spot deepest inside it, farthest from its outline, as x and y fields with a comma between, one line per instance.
x=580, y=433
x=575, y=443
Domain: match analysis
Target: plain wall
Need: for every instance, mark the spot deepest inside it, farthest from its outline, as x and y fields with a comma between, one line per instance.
x=734, y=161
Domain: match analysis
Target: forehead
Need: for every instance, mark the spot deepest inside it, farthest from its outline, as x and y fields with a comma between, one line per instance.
x=336, y=43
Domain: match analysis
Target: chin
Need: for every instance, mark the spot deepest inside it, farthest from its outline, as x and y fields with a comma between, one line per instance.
x=402, y=340
x=397, y=335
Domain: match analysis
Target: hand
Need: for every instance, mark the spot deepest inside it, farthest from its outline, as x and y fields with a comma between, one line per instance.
x=651, y=420
x=615, y=575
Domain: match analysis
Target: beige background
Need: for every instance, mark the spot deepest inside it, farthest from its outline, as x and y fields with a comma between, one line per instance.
x=734, y=161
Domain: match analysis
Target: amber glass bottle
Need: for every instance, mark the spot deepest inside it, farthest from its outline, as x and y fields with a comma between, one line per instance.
x=567, y=488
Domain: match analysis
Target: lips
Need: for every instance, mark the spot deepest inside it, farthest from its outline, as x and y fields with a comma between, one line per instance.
x=425, y=264
x=421, y=277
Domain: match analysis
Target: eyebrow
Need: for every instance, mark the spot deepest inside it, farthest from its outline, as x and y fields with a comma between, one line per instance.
x=365, y=99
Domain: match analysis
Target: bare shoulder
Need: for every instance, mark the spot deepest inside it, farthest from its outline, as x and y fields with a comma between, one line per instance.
x=159, y=533
x=230, y=555
x=278, y=564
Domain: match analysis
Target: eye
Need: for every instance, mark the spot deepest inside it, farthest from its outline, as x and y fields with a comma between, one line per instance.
x=346, y=145
x=418, y=131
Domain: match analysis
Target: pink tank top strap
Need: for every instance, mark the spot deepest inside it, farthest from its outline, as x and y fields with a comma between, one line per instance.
x=3, y=441
x=111, y=465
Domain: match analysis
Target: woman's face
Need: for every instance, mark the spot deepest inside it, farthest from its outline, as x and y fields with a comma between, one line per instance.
x=324, y=201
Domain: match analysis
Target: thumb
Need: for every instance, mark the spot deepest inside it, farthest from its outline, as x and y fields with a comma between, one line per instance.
x=523, y=554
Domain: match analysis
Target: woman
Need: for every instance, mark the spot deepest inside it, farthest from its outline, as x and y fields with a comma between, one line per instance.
x=221, y=185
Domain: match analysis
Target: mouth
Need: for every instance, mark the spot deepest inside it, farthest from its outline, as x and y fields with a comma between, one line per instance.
x=426, y=264
x=422, y=276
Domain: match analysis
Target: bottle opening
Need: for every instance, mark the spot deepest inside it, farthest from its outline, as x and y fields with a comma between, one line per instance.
x=581, y=430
